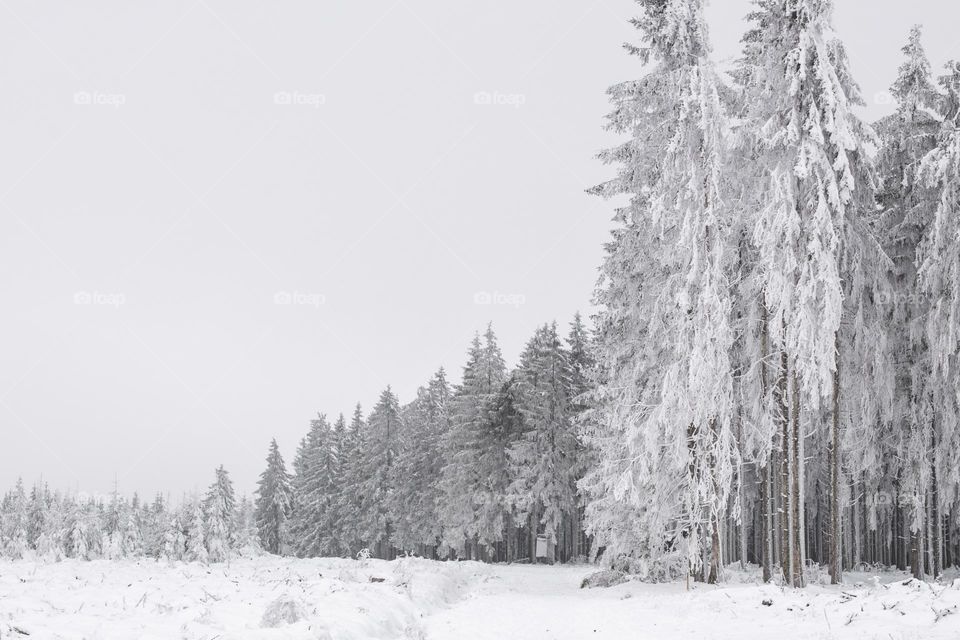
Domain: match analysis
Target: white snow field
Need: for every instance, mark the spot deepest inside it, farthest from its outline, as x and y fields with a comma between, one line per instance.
x=421, y=599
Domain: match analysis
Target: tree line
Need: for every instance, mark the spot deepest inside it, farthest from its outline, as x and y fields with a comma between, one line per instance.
x=477, y=470
x=51, y=525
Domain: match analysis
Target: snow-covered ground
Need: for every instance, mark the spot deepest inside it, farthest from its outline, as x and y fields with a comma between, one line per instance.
x=420, y=599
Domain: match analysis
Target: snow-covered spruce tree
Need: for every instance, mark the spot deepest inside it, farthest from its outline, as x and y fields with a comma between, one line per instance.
x=113, y=522
x=938, y=258
x=759, y=387
x=196, y=534
x=416, y=497
x=669, y=403
x=36, y=510
x=634, y=274
x=274, y=503
x=544, y=456
x=382, y=442
x=335, y=542
x=817, y=177
x=313, y=490
x=475, y=454
x=16, y=542
x=45, y=523
x=506, y=423
x=132, y=535
x=246, y=535
x=351, y=501
x=497, y=517
x=497, y=520
x=460, y=475
x=582, y=365
x=860, y=411
x=219, y=506
x=77, y=545
x=48, y=526
x=174, y=540
x=153, y=526
x=907, y=136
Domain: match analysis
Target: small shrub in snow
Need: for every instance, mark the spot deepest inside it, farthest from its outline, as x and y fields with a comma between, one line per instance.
x=284, y=610
x=605, y=578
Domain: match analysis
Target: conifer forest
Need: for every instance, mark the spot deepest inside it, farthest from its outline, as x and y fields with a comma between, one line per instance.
x=763, y=389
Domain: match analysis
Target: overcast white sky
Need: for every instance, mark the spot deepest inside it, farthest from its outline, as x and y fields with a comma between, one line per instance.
x=156, y=195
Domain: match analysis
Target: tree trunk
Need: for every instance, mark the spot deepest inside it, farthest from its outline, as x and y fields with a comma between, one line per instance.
x=511, y=539
x=916, y=565
x=784, y=419
x=765, y=547
x=836, y=550
x=766, y=481
x=715, y=560
x=796, y=491
x=858, y=527
x=534, y=518
x=741, y=530
x=935, y=523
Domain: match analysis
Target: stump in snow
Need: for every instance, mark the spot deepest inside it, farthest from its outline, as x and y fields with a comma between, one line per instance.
x=284, y=610
x=607, y=578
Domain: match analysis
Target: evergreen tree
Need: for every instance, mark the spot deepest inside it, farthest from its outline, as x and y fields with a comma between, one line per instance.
x=582, y=371
x=469, y=507
x=246, y=536
x=934, y=450
x=77, y=544
x=274, y=503
x=382, y=442
x=544, y=457
x=416, y=498
x=36, y=515
x=174, y=540
x=219, y=507
x=665, y=334
x=335, y=541
x=17, y=523
x=313, y=487
x=196, y=535
x=907, y=136
x=351, y=500
x=817, y=184
x=132, y=535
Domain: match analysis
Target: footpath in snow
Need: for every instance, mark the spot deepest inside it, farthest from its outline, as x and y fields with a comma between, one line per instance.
x=336, y=599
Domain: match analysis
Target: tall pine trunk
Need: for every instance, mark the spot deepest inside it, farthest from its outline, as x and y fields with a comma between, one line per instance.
x=766, y=481
x=836, y=549
x=916, y=560
x=796, y=491
x=783, y=417
x=935, y=524
x=765, y=548
x=715, y=560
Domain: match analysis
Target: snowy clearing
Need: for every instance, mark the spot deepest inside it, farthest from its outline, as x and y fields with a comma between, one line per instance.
x=422, y=599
